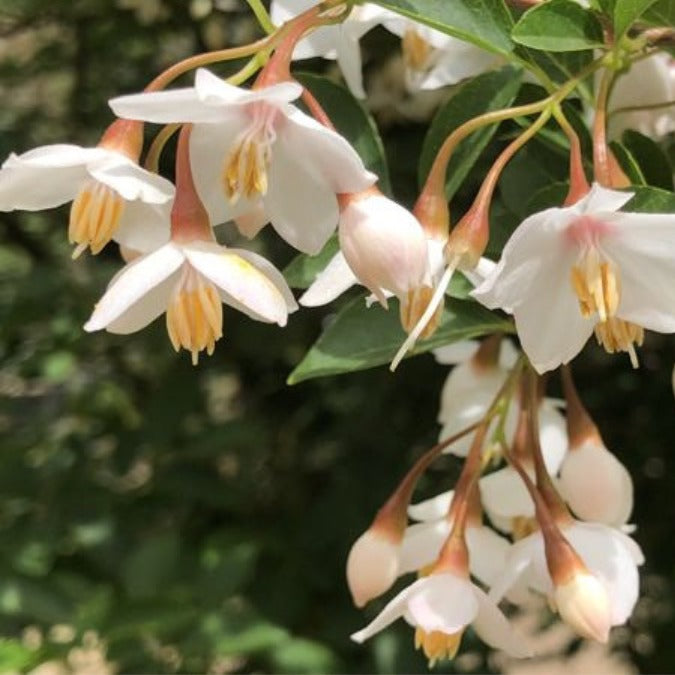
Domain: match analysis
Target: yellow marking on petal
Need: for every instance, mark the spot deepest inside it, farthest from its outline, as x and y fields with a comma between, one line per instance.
x=416, y=50
x=95, y=216
x=194, y=317
x=436, y=645
x=617, y=335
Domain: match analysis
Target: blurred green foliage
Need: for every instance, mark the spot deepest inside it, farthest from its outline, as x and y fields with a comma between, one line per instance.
x=198, y=519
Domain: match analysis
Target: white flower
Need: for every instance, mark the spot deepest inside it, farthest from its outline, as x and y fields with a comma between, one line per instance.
x=648, y=82
x=422, y=542
x=339, y=42
x=440, y=607
x=596, y=485
x=567, y=272
x=434, y=59
x=114, y=197
x=253, y=148
x=190, y=281
x=610, y=555
x=584, y=605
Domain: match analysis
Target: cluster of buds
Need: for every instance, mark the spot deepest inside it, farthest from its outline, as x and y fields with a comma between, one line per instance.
x=584, y=564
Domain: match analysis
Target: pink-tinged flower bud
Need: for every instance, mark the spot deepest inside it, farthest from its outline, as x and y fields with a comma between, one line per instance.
x=595, y=484
x=584, y=605
x=384, y=244
x=372, y=566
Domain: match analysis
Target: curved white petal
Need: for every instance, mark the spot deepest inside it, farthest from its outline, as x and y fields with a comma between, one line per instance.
x=504, y=494
x=210, y=146
x=301, y=206
x=131, y=181
x=431, y=509
x=487, y=553
x=445, y=603
x=601, y=199
x=394, y=609
x=164, y=107
x=643, y=248
x=458, y=352
x=552, y=436
x=421, y=544
x=136, y=280
x=492, y=628
x=239, y=279
x=457, y=61
x=144, y=227
x=326, y=153
x=44, y=177
x=525, y=559
x=214, y=91
x=348, y=55
x=331, y=282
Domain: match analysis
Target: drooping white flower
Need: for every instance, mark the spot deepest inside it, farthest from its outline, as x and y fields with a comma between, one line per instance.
x=338, y=42
x=252, y=149
x=190, y=281
x=114, y=198
x=567, y=272
x=649, y=83
x=440, y=606
x=609, y=554
x=596, y=485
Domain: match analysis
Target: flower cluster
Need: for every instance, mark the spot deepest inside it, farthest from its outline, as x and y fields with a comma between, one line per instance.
x=268, y=153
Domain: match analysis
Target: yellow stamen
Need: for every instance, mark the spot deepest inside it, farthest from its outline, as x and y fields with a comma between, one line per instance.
x=617, y=335
x=412, y=308
x=416, y=50
x=194, y=318
x=522, y=526
x=597, y=286
x=95, y=215
x=437, y=645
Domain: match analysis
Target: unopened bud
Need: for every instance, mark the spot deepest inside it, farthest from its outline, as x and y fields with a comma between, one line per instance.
x=584, y=605
x=384, y=245
x=372, y=566
x=596, y=485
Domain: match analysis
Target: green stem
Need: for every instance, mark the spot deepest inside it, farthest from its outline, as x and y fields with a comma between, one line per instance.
x=262, y=16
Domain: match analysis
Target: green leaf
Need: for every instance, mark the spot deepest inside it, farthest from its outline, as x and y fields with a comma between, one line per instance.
x=151, y=565
x=628, y=163
x=653, y=162
x=626, y=12
x=661, y=13
x=352, y=120
x=650, y=200
x=489, y=91
x=486, y=23
x=362, y=337
x=558, y=26
x=303, y=269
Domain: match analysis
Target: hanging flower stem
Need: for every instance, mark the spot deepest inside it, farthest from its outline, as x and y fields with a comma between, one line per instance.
x=262, y=15
x=601, y=159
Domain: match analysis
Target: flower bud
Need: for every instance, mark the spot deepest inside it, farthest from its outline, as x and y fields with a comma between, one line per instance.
x=372, y=566
x=384, y=245
x=596, y=485
x=584, y=605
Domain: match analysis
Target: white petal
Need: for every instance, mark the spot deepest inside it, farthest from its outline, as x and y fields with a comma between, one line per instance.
x=349, y=59
x=492, y=627
x=394, y=609
x=334, y=280
x=239, y=279
x=421, y=544
x=144, y=227
x=301, y=206
x=503, y=493
x=163, y=107
x=457, y=352
x=131, y=181
x=525, y=555
x=445, y=603
x=552, y=436
x=136, y=280
x=458, y=61
x=216, y=92
x=326, y=153
x=601, y=199
x=487, y=553
x=210, y=147
x=643, y=247
x=44, y=177
x=431, y=509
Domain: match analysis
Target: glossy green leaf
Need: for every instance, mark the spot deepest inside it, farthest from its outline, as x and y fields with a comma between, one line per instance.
x=558, y=26
x=651, y=200
x=303, y=269
x=628, y=163
x=653, y=162
x=486, y=23
x=626, y=12
x=362, y=337
x=661, y=13
x=489, y=91
x=352, y=120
